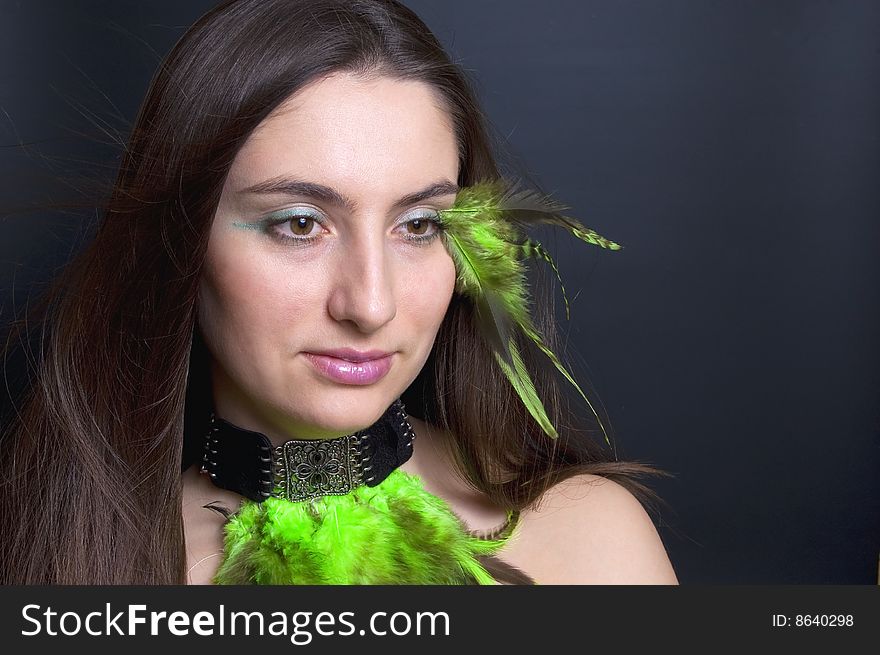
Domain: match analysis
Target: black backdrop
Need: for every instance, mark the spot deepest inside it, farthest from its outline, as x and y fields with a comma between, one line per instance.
x=731, y=147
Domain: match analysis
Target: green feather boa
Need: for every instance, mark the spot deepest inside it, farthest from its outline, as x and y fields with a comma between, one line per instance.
x=393, y=533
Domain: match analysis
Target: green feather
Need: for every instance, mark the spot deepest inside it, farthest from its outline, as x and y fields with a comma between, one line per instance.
x=534, y=249
x=393, y=533
x=484, y=234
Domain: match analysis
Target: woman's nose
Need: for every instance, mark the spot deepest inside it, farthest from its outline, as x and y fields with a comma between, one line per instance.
x=362, y=291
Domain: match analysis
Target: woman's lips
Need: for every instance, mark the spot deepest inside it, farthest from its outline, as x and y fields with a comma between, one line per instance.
x=341, y=370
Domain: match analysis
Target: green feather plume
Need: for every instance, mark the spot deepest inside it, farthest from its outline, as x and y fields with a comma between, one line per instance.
x=484, y=233
x=393, y=533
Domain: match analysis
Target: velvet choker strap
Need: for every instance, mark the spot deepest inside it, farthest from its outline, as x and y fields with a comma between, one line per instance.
x=247, y=463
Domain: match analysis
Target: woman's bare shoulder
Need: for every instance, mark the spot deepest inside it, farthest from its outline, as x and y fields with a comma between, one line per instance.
x=589, y=530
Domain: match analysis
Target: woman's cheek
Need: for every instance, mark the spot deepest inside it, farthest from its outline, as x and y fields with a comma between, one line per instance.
x=444, y=276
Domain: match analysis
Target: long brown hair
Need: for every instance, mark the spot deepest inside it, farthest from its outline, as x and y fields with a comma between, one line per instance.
x=91, y=457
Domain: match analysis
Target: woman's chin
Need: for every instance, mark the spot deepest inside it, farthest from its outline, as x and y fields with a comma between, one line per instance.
x=336, y=422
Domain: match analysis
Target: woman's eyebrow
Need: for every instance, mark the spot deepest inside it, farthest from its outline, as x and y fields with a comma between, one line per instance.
x=294, y=187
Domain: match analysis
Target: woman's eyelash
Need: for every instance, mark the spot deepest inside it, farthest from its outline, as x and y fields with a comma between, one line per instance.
x=269, y=224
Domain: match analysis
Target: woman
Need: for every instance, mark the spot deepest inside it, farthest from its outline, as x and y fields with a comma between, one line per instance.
x=270, y=270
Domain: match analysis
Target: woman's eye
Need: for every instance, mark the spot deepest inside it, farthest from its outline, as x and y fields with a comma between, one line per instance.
x=423, y=229
x=296, y=229
x=420, y=226
x=301, y=225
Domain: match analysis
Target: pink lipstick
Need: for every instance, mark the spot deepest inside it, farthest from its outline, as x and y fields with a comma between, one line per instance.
x=362, y=372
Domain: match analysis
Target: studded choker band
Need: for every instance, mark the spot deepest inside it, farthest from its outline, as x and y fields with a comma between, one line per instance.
x=247, y=463
x=341, y=511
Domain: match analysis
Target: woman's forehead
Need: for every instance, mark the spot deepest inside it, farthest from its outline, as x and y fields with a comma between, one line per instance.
x=348, y=108
x=345, y=130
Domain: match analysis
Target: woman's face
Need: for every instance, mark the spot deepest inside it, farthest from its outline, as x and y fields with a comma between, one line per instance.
x=324, y=239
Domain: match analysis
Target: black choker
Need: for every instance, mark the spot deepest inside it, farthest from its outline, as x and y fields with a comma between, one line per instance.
x=245, y=462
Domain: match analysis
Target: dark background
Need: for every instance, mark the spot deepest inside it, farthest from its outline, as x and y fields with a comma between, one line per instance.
x=731, y=148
